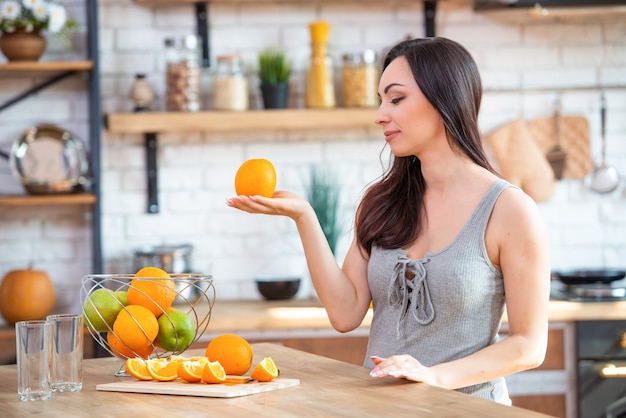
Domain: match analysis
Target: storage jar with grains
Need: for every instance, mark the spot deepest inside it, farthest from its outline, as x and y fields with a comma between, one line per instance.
x=360, y=79
x=183, y=74
x=230, y=84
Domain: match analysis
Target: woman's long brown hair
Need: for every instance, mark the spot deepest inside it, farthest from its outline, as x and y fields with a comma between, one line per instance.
x=389, y=213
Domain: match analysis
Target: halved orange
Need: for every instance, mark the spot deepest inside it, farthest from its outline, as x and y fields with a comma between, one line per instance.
x=265, y=371
x=137, y=368
x=213, y=372
x=163, y=371
x=191, y=370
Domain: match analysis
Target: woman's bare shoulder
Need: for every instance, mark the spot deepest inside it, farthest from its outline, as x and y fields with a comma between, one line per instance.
x=515, y=208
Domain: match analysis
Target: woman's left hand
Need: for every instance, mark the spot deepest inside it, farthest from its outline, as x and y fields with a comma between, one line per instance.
x=401, y=366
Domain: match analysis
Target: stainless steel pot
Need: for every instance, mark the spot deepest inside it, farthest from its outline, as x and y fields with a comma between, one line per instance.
x=174, y=259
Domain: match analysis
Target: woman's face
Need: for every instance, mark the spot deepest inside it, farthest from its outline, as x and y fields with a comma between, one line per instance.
x=409, y=121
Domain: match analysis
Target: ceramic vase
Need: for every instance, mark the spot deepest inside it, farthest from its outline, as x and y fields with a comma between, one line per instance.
x=22, y=46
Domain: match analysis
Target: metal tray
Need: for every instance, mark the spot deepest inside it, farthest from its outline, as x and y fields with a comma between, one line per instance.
x=48, y=159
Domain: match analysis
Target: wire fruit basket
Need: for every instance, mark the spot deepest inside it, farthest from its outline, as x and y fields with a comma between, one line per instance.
x=148, y=317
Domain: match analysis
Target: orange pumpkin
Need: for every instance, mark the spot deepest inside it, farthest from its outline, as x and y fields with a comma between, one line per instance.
x=26, y=294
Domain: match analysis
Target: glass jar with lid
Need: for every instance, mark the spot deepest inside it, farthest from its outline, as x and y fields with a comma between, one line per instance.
x=230, y=84
x=182, y=56
x=360, y=79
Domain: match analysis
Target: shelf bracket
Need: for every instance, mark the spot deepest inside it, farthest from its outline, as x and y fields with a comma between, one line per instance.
x=35, y=89
x=202, y=30
x=430, y=11
x=151, y=170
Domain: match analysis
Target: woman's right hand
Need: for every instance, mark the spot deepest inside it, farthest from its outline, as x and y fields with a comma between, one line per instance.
x=281, y=203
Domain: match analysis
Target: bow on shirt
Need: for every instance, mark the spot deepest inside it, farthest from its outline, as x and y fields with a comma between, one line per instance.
x=409, y=290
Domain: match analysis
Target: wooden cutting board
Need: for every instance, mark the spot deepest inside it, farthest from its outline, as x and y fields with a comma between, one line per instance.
x=198, y=389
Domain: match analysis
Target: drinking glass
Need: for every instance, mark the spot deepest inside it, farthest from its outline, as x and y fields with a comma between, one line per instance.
x=66, y=371
x=32, y=340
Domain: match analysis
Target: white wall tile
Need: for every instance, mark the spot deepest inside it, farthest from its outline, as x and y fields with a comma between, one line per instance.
x=196, y=170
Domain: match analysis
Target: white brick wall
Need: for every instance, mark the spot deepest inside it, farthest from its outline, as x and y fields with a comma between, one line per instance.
x=195, y=177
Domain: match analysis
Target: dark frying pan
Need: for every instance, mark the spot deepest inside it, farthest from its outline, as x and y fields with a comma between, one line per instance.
x=572, y=277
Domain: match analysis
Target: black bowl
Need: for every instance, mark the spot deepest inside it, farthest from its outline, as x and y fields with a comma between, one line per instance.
x=278, y=289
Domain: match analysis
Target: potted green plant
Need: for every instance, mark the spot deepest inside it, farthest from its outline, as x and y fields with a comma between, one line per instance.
x=323, y=195
x=274, y=72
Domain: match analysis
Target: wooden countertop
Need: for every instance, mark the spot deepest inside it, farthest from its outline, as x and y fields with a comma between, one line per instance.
x=249, y=316
x=327, y=388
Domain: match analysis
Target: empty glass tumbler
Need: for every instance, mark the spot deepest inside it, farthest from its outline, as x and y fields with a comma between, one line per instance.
x=66, y=371
x=32, y=341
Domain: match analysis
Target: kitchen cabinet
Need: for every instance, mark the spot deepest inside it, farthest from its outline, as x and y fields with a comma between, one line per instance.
x=56, y=71
x=550, y=388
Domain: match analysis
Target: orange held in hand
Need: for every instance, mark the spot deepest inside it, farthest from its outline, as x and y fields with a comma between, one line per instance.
x=256, y=177
x=232, y=351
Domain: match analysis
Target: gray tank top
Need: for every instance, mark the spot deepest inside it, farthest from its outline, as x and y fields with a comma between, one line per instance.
x=443, y=307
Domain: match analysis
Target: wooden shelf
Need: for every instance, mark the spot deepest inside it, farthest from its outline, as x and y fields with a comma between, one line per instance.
x=45, y=200
x=178, y=2
x=47, y=66
x=255, y=120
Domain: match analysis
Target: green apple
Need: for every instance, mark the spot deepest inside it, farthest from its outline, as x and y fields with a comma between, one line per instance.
x=176, y=331
x=122, y=296
x=101, y=309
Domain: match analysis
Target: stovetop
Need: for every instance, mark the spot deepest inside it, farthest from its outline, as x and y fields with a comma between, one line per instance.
x=589, y=292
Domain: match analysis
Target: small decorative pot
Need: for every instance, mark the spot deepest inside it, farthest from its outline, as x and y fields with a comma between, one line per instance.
x=22, y=46
x=275, y=95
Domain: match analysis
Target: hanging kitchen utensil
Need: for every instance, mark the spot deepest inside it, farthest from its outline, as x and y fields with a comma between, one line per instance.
x=556, y=155
x=604, y=178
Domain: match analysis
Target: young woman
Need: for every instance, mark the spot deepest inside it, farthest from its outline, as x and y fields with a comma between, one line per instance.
x=442, y=244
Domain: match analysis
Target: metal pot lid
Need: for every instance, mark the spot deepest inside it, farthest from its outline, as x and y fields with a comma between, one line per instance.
x=49, y=159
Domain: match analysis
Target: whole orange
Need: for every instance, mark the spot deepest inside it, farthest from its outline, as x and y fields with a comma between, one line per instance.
x=26, y=294
x=233, y=352
x=120, y=350
x=136, y=327
x=256, y=177
x=152, y=288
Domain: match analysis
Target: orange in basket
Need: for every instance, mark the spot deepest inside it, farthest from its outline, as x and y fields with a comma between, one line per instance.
x=136, y=327
x=119, y=348
x=152, y=288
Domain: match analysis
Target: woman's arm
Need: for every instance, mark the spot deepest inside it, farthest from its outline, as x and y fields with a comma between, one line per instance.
x=518, y=245
x=343, y=292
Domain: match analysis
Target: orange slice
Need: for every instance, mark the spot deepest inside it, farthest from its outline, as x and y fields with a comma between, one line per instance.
x=191, y=370
x=213, y=372
x=265, y=371
x=163, y=371
x=137, y=368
